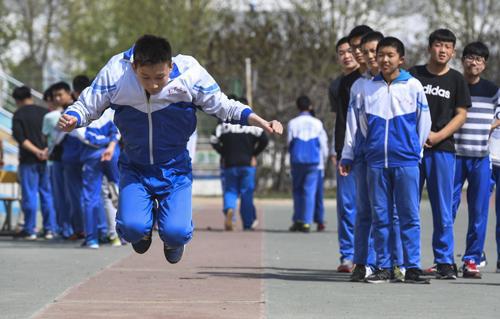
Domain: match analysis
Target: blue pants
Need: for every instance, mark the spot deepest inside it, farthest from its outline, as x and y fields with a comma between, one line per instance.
x=399, y=186
x=319, y=207
x=140, y=186
x=438, y=170
x=73, y=185
x=346, y=214
x=305, y=183
x=240, y=181
x=59, y=198
x=95, y=221
x=496, y=180
x=35, y=181
x=477, y=171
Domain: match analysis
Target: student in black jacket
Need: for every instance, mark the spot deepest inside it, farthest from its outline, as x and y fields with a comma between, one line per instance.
x=33, y=171
x=239, y=146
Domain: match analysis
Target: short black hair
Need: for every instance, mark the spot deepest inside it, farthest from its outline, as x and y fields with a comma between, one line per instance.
x=150, y=49
x=341, y=41
x=359, y=31
x=443, y=35
x=303, y=103
x=21, y=93
x=80, y=82
x=372, y=36
x=60, y=86
x=476, y=48
x=393, y=43
x=47, y=94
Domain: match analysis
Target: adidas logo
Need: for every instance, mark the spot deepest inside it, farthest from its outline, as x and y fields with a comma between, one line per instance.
x=428, y=89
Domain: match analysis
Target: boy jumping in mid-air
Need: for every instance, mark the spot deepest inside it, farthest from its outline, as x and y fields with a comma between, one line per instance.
x=155, y=98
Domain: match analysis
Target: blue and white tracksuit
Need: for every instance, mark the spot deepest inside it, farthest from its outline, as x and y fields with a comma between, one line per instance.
x=96, y=138
x=364, y=252
x=394, y=120
x=307, y=143
x=154, y=164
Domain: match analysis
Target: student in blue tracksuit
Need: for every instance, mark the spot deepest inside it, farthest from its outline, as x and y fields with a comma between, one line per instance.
x=364, y=254
x=448, y=96
x=72, y=166
x=395, y=122
x=155, y=98
x=346, y=185
x=473, y=160
x=100, y=140
x=307, y=143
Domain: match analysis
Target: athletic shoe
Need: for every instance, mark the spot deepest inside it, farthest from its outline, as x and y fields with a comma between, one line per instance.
x=228, y=221
x=24, y=235
x=77, y=236
x=483, y=262
x=380, y=276
x=300, y=226
x=320, y=227
x=173, y=255
x=346, y=266
x=48, y=235
x=412, y=276
x=143, y=245
x=431, y=271
x=359, y=273
x=115, y=241
x=498, y=266
x=470, y=270
x=446, y=271
x=398, y=274
x=255, y=223
x=92, y=244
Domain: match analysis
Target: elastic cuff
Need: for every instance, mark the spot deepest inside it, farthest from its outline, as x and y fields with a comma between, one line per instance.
x=244, y=116
x=75, y=114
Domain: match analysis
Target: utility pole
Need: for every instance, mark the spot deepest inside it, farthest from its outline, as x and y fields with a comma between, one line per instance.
x=248, y=80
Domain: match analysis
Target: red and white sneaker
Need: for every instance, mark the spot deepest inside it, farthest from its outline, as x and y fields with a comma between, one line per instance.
x=432, y=270
x=346, y=266
x=470, y=270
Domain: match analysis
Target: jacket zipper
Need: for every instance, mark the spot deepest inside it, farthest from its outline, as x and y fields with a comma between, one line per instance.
x=150, y=130
x=386, y=138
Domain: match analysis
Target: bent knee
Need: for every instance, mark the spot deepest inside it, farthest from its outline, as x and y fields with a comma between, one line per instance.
x=176, y=236
x=133, y=231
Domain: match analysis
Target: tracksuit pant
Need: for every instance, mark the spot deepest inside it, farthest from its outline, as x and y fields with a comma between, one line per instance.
x=240, y=181
x=364, y=251
x=346, y=214
x=305, y=184
x=63, y=217
x=140, y=187
x=438, y=171
x=73, y=186
x=477, y=171
x=95, y=220
x=496, y=180
x=319, y=207
x=389, y=187
x=35, y=180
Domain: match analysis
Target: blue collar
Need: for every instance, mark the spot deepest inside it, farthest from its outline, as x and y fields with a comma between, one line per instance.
x=402, y=77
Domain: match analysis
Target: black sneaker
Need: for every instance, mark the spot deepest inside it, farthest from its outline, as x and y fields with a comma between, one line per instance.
x=446, y=271
x=296, y=226
x=359, y=273
x=173, y=255
x=379, y=276
x=142, y=245
x=412, y=276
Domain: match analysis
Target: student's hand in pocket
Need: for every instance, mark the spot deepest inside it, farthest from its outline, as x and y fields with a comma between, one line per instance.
x=344, y=169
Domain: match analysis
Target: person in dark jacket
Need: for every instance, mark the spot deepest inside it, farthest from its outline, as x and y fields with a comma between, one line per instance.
x=33, y=171
x=239, y=146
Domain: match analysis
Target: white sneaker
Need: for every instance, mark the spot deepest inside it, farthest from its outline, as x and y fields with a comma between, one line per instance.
x=31, y=237
x=49, y=235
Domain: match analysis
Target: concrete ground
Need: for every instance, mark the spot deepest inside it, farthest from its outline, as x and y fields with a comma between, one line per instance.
x=269, y=273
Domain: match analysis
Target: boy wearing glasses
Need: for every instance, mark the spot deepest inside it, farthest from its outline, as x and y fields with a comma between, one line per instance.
x=473, y=162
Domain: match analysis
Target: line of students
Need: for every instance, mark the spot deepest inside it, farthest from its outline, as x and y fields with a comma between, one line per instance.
x=75, y=199
x=394, y=131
